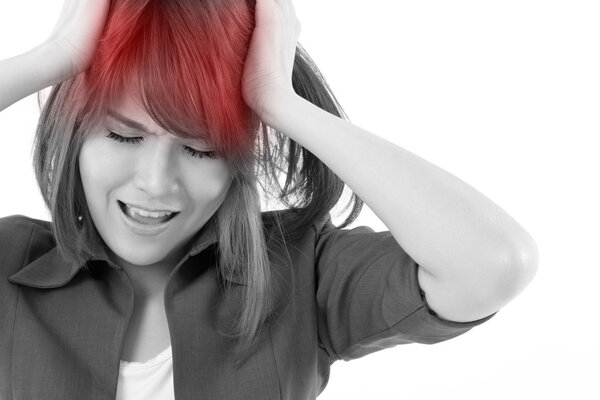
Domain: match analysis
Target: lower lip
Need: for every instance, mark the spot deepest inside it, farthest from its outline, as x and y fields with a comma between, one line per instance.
x=144, y=229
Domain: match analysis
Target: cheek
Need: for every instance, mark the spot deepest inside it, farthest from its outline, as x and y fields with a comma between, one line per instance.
x=99, y=168
x=209, y=184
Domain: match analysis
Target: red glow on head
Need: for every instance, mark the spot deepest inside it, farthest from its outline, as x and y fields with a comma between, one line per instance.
x=184, y=59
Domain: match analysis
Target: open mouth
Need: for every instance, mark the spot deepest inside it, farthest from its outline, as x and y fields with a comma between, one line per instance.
x=144, y=217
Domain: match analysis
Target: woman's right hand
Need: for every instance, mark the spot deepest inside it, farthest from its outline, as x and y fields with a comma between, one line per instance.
x=76, y=34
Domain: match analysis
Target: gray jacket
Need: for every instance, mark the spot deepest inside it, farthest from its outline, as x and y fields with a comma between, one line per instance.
x=350, y=293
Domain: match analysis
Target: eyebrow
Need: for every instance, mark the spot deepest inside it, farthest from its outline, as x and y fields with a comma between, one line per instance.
x=141, y=127
x=129, y=122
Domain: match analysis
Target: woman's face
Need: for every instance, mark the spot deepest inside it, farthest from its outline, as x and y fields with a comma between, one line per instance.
x=157, y=171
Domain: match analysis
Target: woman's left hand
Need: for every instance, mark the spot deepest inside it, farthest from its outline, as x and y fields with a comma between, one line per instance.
x=270, y=58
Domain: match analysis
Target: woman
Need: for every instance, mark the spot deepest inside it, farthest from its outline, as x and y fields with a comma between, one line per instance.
x=160, y=277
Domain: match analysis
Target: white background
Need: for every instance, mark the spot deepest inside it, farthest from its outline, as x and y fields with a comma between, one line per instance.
x=504, y=95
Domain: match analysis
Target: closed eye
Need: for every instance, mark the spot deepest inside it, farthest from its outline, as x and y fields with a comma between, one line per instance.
x=192, y=152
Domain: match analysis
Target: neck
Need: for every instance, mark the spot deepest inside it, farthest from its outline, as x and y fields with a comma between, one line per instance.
x=149, y=280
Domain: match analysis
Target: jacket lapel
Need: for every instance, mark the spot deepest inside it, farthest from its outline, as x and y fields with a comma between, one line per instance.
x=69, y=338
x=202, y=358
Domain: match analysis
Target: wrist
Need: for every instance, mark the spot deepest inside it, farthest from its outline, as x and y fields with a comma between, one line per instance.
x=27, y=73
x=274, y=106
x=53, y=66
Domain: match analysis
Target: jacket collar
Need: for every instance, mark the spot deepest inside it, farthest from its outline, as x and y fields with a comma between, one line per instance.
x=51, y=270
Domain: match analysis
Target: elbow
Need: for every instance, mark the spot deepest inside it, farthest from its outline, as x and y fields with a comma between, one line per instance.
x=518, y=271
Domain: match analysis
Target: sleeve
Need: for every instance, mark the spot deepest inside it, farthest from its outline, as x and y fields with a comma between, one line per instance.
x=15, y=236
x=368, y=295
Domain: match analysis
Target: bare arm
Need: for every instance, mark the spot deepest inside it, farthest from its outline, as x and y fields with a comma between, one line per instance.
x=28, y=73
x=68, y=51
x=474, y=257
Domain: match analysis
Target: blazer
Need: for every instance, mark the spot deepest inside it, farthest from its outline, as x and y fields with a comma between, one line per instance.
x=340, y=294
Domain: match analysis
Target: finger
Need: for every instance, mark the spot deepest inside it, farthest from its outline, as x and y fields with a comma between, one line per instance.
x=288, y=8
x=290, y=5
x=295, y=16
x=290, y=12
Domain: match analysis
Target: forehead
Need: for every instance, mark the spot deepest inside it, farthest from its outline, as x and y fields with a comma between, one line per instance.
x=130, y=106
x=128, y=109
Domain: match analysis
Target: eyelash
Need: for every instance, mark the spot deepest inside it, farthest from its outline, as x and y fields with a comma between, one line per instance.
x=192, y=152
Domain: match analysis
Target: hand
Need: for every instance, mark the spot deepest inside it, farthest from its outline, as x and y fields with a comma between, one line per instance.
x=76, y=33
x=270, y=58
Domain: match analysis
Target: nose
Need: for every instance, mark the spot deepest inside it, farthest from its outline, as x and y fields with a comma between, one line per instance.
x=156, y=169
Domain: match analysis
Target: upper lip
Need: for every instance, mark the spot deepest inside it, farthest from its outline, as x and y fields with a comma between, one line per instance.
x=158, y=208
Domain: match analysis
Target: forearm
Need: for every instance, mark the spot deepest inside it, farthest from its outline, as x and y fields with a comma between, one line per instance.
x=445, y=225
x=27, y=73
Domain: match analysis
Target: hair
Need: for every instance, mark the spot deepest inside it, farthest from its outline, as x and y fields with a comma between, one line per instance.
x=147, y=48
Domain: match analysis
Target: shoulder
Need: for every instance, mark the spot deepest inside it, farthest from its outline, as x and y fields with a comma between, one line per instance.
x=295, y=229
x=21, y=236
x=14, y=227
x=20, y=221
x=286, y=217
x=320, y=230
x=283, y=220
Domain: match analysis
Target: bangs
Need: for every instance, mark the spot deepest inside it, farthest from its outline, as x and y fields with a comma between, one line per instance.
x=183, y=61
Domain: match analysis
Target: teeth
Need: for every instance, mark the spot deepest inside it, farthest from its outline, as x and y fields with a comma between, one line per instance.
x=148, y=214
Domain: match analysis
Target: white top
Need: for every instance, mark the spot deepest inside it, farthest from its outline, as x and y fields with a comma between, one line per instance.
x=150, y=380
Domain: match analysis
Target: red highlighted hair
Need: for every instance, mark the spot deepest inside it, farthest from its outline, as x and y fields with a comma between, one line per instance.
x=185, y=60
